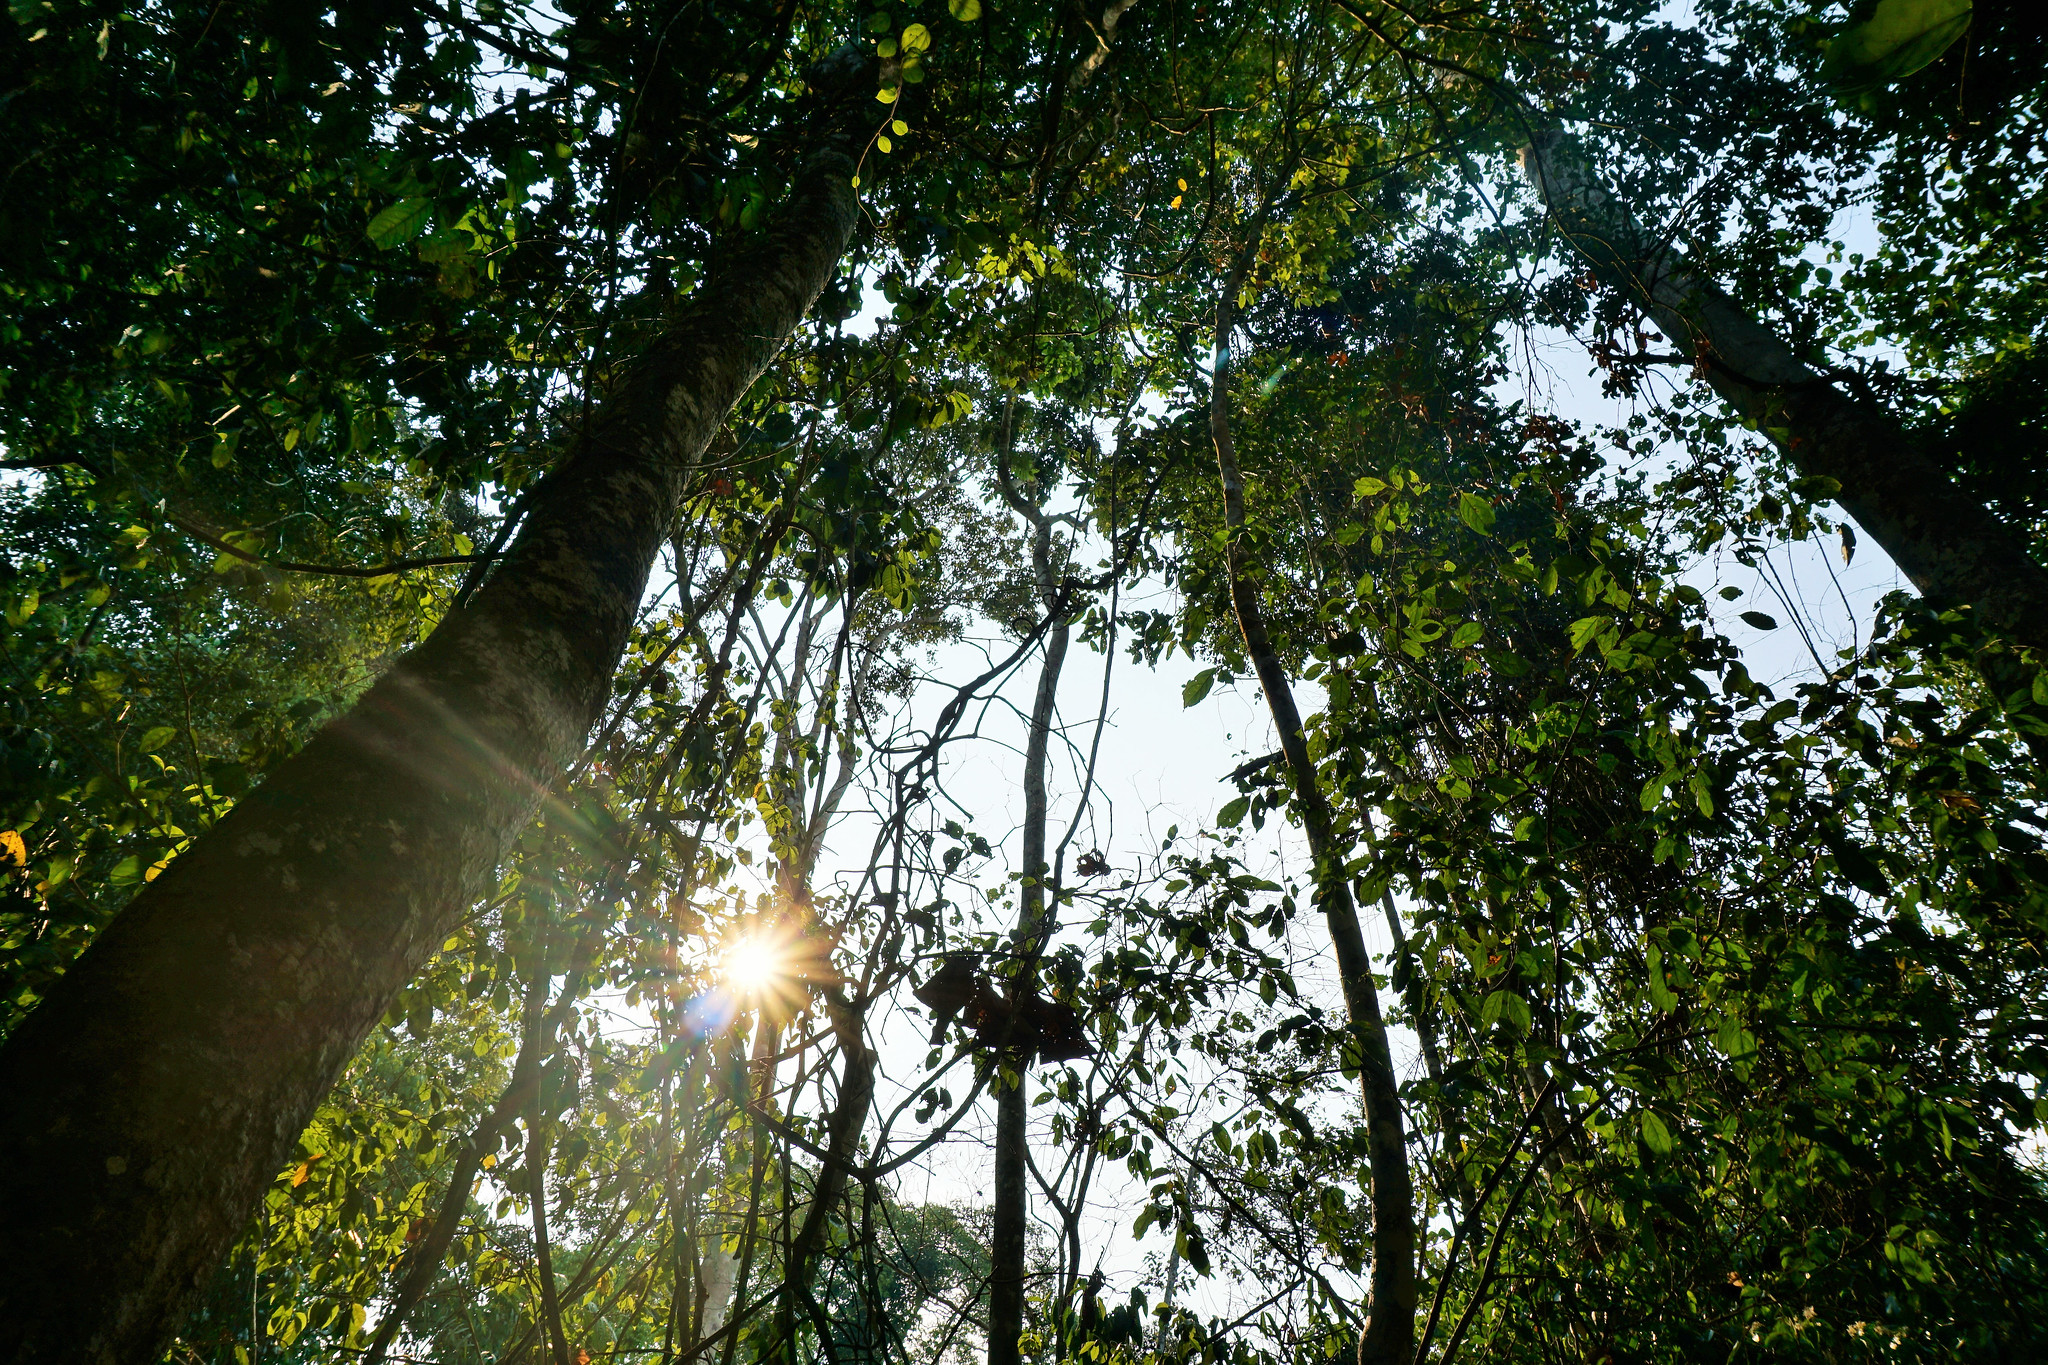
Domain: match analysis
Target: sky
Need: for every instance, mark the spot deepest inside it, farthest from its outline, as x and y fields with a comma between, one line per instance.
x=1163, y=765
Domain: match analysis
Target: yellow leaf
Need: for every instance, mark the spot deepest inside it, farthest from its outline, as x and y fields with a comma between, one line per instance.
x=11, y=842
x=916, y=38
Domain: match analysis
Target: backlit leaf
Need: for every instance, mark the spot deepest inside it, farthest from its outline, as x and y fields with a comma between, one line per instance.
x=401, y=222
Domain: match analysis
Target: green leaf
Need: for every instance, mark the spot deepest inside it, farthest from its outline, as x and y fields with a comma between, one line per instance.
x=1505, y=1005
x=1858, y=868
x=1232, y=815
x=1655, y=1135
x=401, y=222
x=1369, y=487
x=156, y=737
x=1890, y=40
x=1476, y=512
x=1197, y=687
x=966, y=11
x=1467, y=635
x=1584, y=629
x=1760, y=620
x=1661, y=994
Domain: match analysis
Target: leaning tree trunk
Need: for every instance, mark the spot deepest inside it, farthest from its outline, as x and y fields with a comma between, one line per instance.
x=1947, y=543
x=163, y=1082
x=1389, y=1337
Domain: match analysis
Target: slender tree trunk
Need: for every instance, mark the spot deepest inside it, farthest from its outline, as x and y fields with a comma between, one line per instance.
x=848, y=1018
x=767, y=1047
x=1012, y=1193
x=1389, y=1337
x=849, y=1116
x=425, y=1262
x=543, y=1252
x=1007, y=1239
x=1951, y=547
x=163, y=1082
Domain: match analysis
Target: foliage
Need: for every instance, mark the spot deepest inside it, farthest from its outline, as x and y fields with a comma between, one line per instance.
x=1724, y=998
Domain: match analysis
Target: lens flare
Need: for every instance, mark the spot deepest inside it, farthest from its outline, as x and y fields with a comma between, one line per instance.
x=751, y=964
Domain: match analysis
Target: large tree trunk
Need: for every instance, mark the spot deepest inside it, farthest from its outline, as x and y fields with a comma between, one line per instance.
x=1389, y=1337
x=1954, y=551
x=154, y=1094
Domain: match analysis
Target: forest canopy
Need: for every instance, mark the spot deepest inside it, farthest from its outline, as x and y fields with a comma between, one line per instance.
x=1145, y=682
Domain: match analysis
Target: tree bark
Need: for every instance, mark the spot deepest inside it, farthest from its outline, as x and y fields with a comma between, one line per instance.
x=550, y=1306
x=847, y=1014
x=842, y=1146
x=1007, y=1239
x=1948, y=544
x=1389, y=1337
x=163, y=1082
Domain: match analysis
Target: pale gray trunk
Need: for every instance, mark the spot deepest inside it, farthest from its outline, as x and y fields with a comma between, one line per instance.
x=1947, y=543
x=156, y=1092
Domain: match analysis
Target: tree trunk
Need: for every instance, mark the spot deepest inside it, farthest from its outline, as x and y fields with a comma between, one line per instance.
x=1012, y=1206
x=425, y=1261
x=842, y=1146
x=847, y=1014
x=162, y=1084
x=1954, y=551
x=1389, y=1337
x=1007, y=1240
